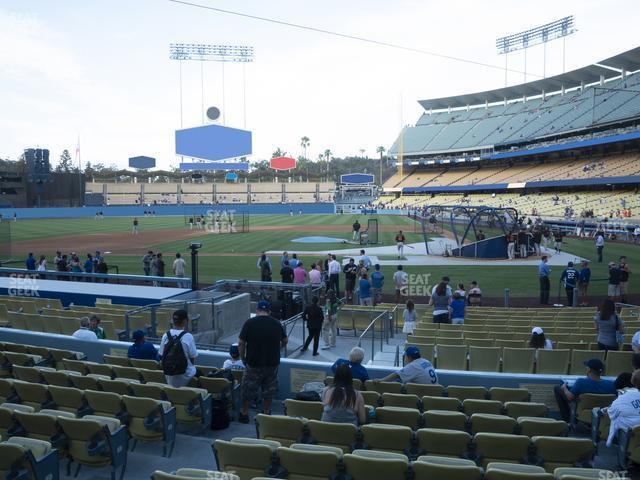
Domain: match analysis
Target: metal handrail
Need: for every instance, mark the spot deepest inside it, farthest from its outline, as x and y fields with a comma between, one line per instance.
x=396, y=360
x=373, y=334
x=293, y=321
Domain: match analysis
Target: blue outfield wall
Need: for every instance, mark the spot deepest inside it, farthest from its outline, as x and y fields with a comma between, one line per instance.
x=293, y=372
x=138, y=210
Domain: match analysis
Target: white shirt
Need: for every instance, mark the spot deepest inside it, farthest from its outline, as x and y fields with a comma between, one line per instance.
x=334, y=267
x=401, y=279
x=190, y=351
x=366, y=260
x=179, y=266
x=418, y=371
x=84, y=333
x=624, y=413
x=231, y=364
x=635, y=341
x=599, y=241
x=409, y=315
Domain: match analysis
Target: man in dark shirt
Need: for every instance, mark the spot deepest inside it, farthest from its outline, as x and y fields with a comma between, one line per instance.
x=260, y=341
x=350, y=272
x=557, y=236
x=286, y=273
x=615, y=275
x=314, y=317
x=356, y=230
x=569, y=277
x=141, y=349
x=624, y=279
x=523, y=243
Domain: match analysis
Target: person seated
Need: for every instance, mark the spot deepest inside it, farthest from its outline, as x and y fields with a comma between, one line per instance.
x=94, y=326
x=416, y=370
x=592, y=383
x=356, y=355
x=635, y=342
x=235, y=362
x=623, y=381
x=140, y=349
x=457, y=308
x=83, y=333
x=623, y=412
x=342, y=403
x=538, y=340
x=474, y=295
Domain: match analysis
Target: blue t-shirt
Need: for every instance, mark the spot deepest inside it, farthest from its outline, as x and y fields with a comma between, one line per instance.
x=377, y=279
x=587, y=385
x=585, y=275
x=88, y=265
x=457, y=308
x=357, y=370
x=365, y=288
x=31, y=263
x=145, y=351
x=293, y=263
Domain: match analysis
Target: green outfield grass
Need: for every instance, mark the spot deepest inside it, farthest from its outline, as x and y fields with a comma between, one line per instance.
x=235, y=256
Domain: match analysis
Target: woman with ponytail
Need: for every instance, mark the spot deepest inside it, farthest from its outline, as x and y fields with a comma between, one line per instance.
x=343, y=404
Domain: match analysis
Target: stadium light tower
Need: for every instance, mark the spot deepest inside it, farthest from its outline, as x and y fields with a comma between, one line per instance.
x=535, y=36
x=212, y=53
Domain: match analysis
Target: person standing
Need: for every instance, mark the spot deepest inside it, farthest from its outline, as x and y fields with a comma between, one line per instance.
x=314, y=317
x=265, y=268
x=329, y=326
x=178, y=351
x=88, y=264
x=364, y=290
x=636, y=235
x=584, y=278
x=599, y=244
x=263, y=257
x=350, y=273
x=457, y=308
x=286, y=273
x=569, y=278
x=159, y=265
x=401, y=282
x=42, y=264
x=300, y=274
x=609, y=326
x=356, y=230
x=179, y=268
x=377, y=284
x=409, y=318
x=613, y=288
x=261, y=339
x=30, y=262
x=334, y=275
x=293, y=263
x=523, y=240
x=440, y=301
x=365, y=259
x=283, y=258
x=557, y=236
x=315, y=277
x=146, y=262
x=537, y=239
x=135, y=226
x=545, y=284
x=400, y=241
x=511, y=246
x=624, y=278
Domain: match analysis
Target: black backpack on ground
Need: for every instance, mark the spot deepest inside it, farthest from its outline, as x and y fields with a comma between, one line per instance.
x=220, y=413
x=174, y=360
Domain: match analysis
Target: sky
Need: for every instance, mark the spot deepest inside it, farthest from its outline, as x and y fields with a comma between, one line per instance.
x=98, y=71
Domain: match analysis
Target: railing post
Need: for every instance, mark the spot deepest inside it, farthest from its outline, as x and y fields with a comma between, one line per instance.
x=575, y=297
x=506, y=297
x=154, y=322
x=373, y=343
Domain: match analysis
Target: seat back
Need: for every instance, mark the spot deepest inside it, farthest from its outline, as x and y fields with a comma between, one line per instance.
x=308, y=410
x=309, y=464
x=463, y=393
x=340, y=435
x=578, y=357
x=553, y=361
x=279, y=428
x=428, y=467
x=452, y=357
x=499, y=447
x=375, y=465
x=400, y=400
x=509, y=394
x=388, y=438
x=618, y=362
x=484, y=359
x=518, y=360
x=243, y=459
x=409, y=417
x=449, y=443
x=563, y=452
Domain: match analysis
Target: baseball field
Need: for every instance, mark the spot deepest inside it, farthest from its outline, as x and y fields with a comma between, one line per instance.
x=235, y=255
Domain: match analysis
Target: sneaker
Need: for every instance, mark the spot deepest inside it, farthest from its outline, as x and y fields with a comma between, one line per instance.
x=302, y=350
x=325, y=347
x=315, y=354
x=243, y=418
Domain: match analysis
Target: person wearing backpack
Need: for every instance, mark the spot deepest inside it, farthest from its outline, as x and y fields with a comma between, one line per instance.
x=178, y=352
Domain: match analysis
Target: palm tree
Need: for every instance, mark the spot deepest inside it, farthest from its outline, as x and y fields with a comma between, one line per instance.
x=304, y=143
x=381, y=151
x=362, y=152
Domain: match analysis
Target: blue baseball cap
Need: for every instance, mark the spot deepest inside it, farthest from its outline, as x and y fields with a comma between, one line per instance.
x=264, y=305
x=137, y=335
x=412, y=352
x=233, y=350
x=594, y=364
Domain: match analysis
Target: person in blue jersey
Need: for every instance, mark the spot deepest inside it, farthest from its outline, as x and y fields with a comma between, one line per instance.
x=30, y=262
x=377, y=284
x=584, y=277
x=569, y=279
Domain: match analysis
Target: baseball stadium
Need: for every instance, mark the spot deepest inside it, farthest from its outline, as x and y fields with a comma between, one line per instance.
x=463, y=307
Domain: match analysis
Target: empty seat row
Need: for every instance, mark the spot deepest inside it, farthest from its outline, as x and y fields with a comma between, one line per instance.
x=22, y=457
x=193, y=405
x=522, y=360
x=552, y=451
x=48, y=356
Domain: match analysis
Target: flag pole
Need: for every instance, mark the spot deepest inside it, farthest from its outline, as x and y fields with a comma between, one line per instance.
x=80, y=202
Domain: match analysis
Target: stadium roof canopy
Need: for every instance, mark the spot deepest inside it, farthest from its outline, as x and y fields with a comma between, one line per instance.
x=611, y=67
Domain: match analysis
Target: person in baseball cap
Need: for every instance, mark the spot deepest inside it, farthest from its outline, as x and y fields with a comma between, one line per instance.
x=538, y=340
x=140, y=349
x=416, y=369
x=235, y=362
x=263, y=306
x=592, y=383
